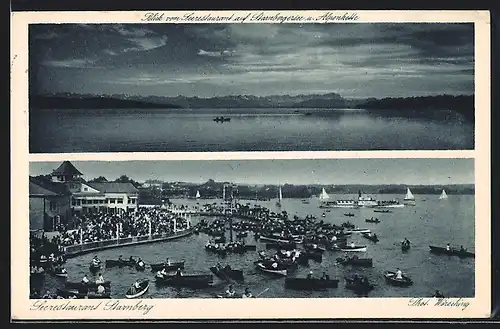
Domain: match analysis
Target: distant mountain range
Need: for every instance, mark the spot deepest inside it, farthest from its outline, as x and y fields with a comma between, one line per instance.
x=463, y=104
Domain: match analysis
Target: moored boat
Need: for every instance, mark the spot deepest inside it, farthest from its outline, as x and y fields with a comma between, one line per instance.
x=382, y=210
x=391, y=278
x=310, y=283
x=452, y=252
x=349, y=214
x=134, y=292
x=372, y=220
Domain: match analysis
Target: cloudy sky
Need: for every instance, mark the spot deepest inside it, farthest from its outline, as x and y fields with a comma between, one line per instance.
x=300, y=171
x=206, y=60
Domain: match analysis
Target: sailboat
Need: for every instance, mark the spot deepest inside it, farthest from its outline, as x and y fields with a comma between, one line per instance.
x=409, y=198
x=280, y=197
x=324, y=195
x=198, y=194
x=443, y=195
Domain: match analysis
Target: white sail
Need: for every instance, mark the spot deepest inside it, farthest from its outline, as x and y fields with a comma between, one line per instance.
x=443, y=195
x=280, y=197
x=324, y=195
x=198, y=194
x=409, y=195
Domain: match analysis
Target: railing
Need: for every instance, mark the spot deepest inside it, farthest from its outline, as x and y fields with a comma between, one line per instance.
x=114, y=243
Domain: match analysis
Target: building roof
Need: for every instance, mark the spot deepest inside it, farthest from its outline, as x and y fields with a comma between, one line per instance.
x=66, y=169
x=112, y=187
x=39, y=186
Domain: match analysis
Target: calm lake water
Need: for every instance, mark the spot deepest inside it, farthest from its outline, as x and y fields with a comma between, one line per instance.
x=185, y=130
x=431, y=222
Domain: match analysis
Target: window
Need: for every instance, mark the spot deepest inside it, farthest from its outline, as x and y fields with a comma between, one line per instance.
x=52, y=205
x=85, y=189
x=84, y=201
x=73, y=202
x=119, y=200
x=112, y=200
x=78, y=202
x=133, y=201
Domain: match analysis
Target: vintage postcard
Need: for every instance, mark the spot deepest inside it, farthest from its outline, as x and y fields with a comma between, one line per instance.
x=250, y=165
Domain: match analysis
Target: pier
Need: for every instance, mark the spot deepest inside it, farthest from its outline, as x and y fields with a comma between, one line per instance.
x=84, y=248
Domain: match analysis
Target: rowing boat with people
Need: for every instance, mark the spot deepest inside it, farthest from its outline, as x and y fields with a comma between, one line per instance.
x=227, y=273
x=310, y=283
x=358, y=285
x=354, y=248
x=279, y=270
x=452, y=252
x=134, y=292
x=355, y=261
x=89, y=285
x=171, y=266
x=185, y=280
x=371, y=237
x=392, y=279
x=71, y=294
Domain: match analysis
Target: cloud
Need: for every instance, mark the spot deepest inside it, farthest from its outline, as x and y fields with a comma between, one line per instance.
x=223, y=53
x=378, y=58
x=70, y=63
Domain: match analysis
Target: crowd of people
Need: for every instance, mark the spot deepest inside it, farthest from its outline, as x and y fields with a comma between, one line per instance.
x=101, y=226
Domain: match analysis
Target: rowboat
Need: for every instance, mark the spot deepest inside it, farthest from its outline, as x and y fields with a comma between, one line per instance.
x=310, y=283
x=357, y=286
x=268, y=269
x=364, y=262
x=168, y=267
x=358, y=230
x=134, y=293
x=94, y=268
x=90, y=285
x=451, y=252
x=370, y=237
x=119, y=263
x=185, y=280
x=283, y=246
x=77, y=295
x=390, y=277
x=353, y=248
x=314, y=248
x=227, y=274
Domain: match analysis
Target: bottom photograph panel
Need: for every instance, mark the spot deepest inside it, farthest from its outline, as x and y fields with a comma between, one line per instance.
x=329, y=228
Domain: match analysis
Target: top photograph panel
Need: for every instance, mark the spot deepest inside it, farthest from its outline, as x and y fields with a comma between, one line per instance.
x=250, y=87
